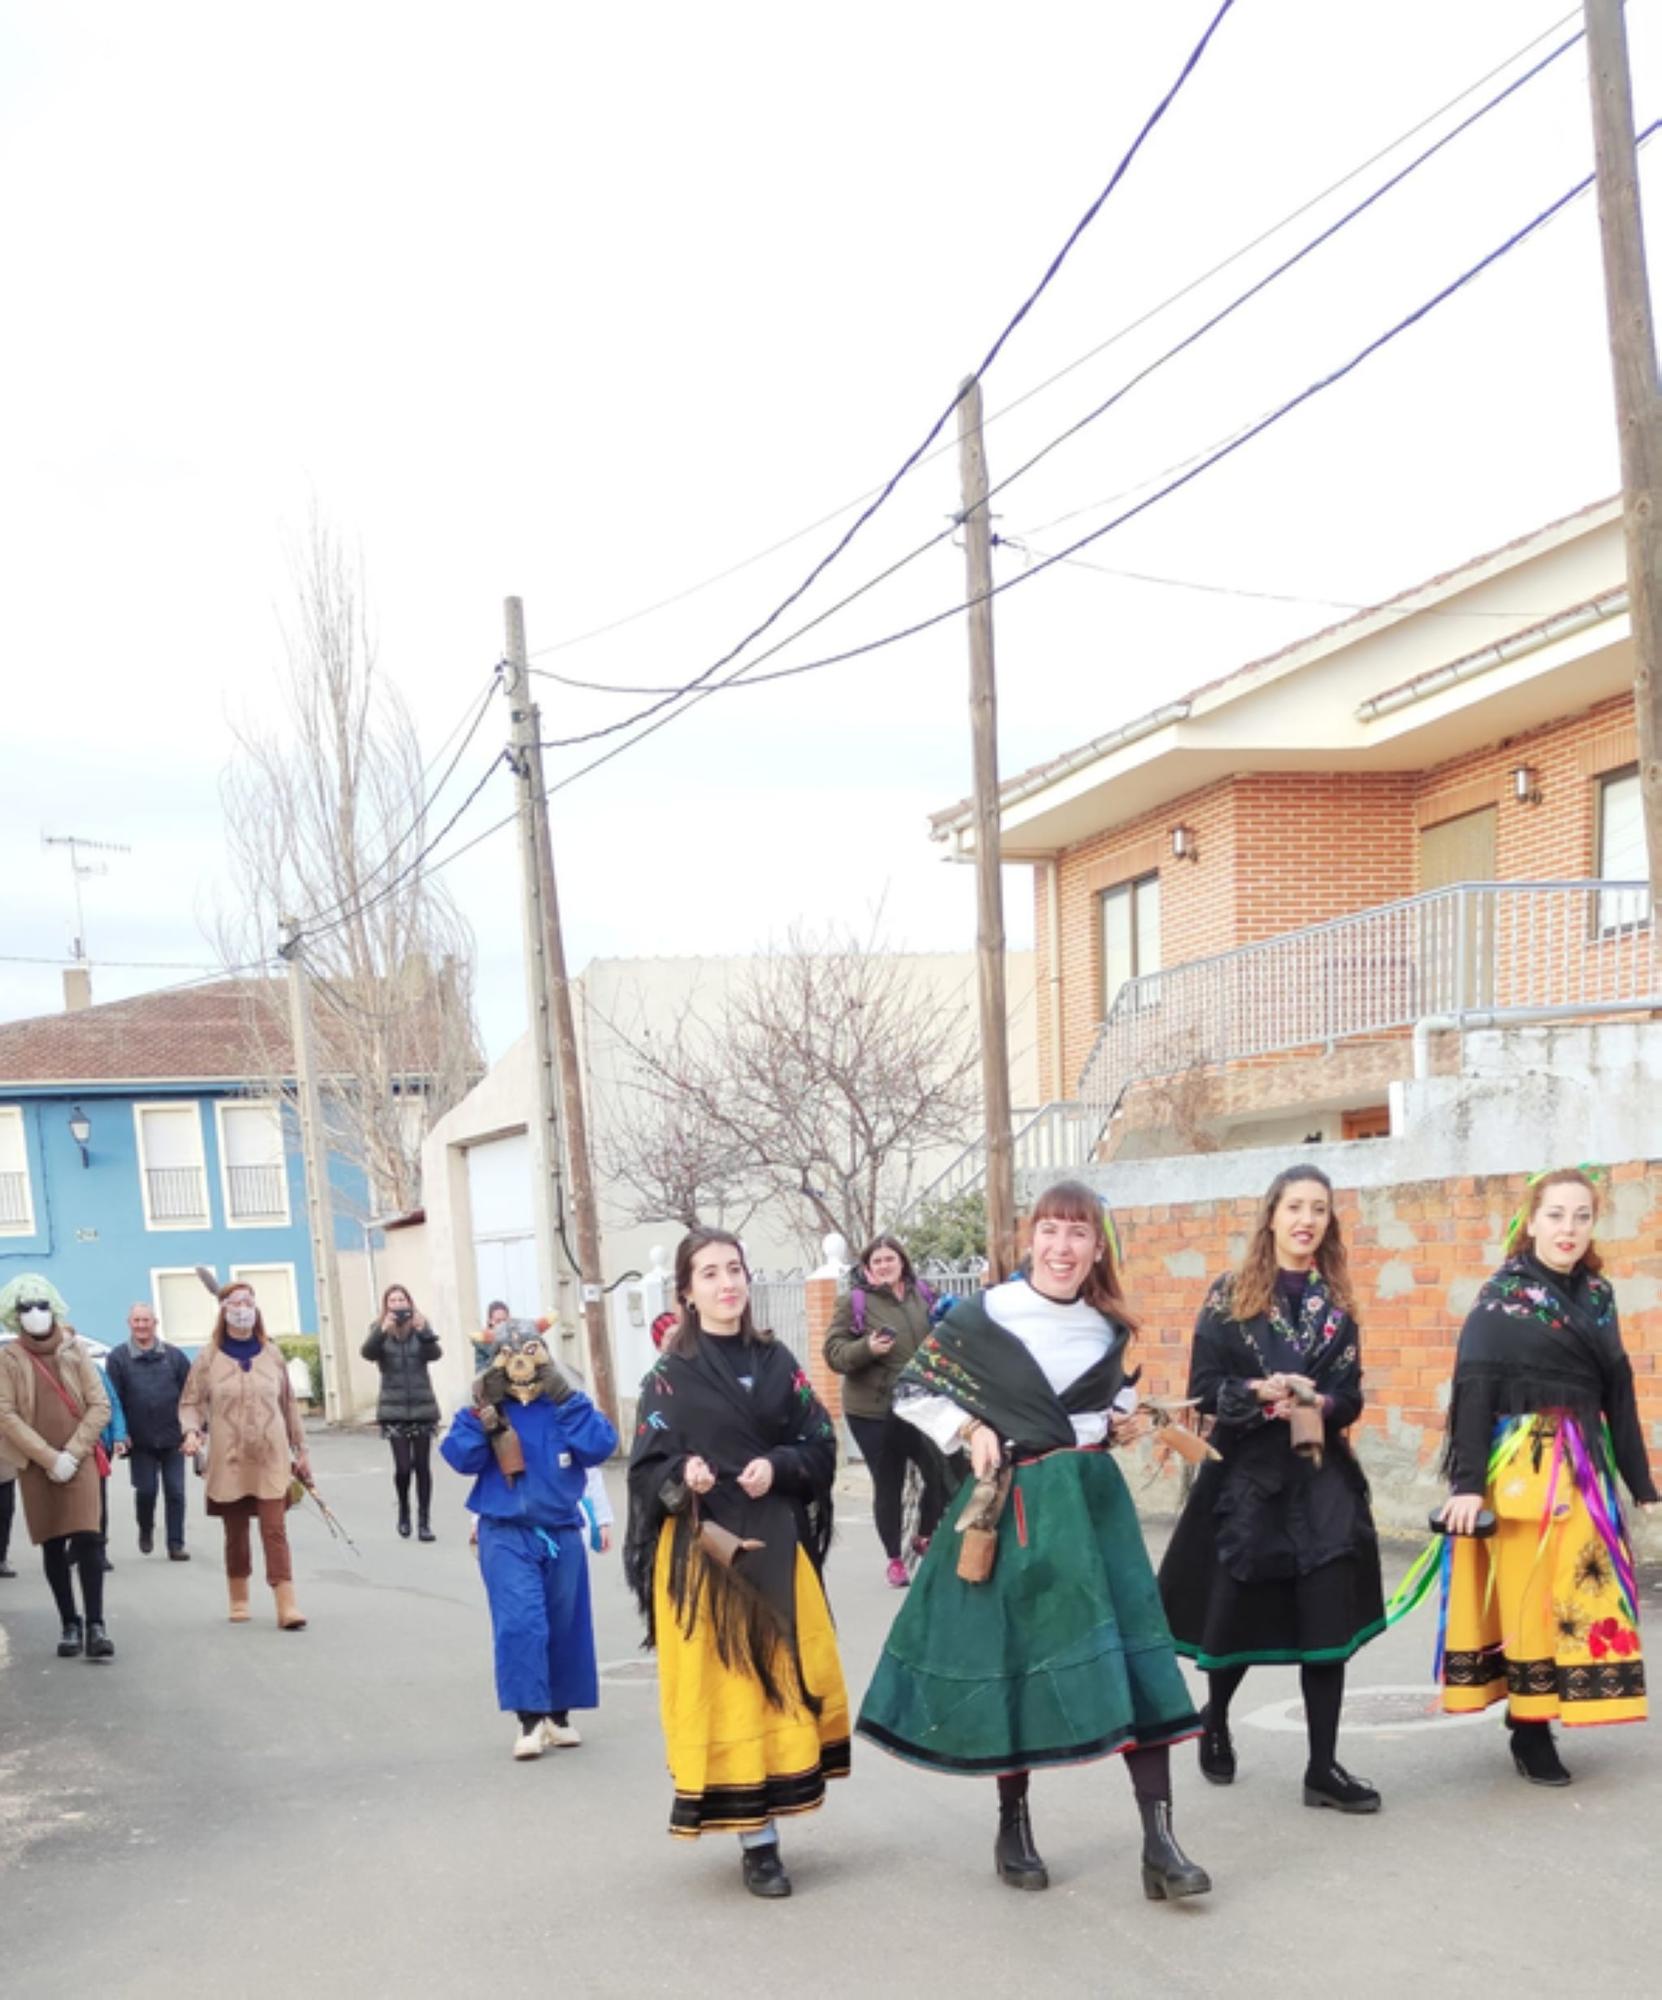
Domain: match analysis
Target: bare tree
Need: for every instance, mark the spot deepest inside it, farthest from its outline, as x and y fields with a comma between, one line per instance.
x=661, y=1166
x=324, y=818
x=829, y=1077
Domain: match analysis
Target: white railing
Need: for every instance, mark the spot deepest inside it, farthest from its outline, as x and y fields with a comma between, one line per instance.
x=177, y=1194
x=256, y=1192
x=780, y=1303
x=14, y=1198
x=1476, y=950
x=1059, y=1135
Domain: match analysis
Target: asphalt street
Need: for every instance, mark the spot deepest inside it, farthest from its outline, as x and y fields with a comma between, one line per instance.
x=233, y=1811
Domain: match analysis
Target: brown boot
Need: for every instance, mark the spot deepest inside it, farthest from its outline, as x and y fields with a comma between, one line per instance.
x=289, y=1617
x=238, y=1586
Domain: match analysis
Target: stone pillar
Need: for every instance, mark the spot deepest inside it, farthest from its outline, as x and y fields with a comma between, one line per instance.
x=823, y=1287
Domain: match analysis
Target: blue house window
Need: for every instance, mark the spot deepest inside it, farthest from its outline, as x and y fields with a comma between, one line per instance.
x=173, y=1175
x=17, y=1208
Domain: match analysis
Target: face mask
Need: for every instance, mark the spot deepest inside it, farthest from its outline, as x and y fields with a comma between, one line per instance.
x=35, y=1319
x=402, y=1313
x=241, y=1317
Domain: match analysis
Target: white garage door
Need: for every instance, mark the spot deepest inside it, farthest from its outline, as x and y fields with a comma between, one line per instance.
x=500, y=1191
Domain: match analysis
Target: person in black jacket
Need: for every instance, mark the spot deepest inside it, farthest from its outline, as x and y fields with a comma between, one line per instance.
x=148, y=1376
x=1275, y=1560
x=404, y=1347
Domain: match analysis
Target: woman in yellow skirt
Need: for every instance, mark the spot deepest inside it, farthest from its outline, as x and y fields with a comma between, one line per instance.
x=729, y=1521
x=1540, y=1599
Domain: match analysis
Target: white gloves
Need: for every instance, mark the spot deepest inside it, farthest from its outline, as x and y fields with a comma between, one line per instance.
x=65, y=1469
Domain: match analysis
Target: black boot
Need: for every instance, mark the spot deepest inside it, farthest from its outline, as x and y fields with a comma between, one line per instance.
x=1217, y=1752
x=100, y=1646
x=404, y=1519
x=424, y=1530
x=1335, y=1787
x=1167, y=1871
x=1536, y=1755
x=104, y=1562
x=764, y=1871
x=69, y=1646
x=1014, y=1856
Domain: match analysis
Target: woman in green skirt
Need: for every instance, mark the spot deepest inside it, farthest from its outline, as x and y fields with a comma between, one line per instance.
x=1061, y=1654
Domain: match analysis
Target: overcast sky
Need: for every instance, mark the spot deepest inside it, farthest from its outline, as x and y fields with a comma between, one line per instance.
x=588, y=305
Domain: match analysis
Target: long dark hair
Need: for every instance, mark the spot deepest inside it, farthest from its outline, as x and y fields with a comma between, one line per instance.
x=1518, y=1239
x=684, y=1340
x=1073, y=1201
x=1254, y=1285
x=908, y=1275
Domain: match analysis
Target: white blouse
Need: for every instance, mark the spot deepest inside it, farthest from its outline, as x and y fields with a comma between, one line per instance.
x=1065, y=1341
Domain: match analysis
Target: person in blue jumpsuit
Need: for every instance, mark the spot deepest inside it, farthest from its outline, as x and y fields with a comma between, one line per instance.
x=528, y=1442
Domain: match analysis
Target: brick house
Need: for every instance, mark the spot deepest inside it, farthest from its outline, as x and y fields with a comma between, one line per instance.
x=1377, y=901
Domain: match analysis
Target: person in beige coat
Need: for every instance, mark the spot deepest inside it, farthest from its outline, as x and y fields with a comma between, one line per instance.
x=237, y=1395
x=52, y=1407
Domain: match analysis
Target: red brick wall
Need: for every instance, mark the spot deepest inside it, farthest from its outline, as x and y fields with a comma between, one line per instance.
x=1279, y=850
x=1417, y=1255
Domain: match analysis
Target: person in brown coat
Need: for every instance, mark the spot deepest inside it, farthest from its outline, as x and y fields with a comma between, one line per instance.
x=52, y=1407
x=238, y=1394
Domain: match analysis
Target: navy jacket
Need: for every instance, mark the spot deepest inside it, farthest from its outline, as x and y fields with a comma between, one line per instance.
x=148, y=1382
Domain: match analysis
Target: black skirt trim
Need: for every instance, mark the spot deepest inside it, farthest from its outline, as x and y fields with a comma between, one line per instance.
x=740, y=1808
x=1181, y=1731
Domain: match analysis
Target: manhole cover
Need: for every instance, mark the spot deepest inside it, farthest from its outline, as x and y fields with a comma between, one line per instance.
x=1371, y=1711
x=628, y=1673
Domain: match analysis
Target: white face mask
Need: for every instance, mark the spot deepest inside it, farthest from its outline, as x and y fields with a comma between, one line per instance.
x=38, y=1319
x=242, y=1318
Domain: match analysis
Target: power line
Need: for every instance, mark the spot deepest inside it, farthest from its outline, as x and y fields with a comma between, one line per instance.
x=667, y=695
x=914, y=457
x=1132, y=326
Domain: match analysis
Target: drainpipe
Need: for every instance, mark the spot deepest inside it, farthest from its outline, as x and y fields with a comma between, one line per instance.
x=1053, y=954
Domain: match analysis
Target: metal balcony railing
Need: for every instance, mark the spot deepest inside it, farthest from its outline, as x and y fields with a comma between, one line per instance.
x=1476, y=950
x=1060, y=1135
x=14, y=1198
x=256, y=1193
x=177, y=1194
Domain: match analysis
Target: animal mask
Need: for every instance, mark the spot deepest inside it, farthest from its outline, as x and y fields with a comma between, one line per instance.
x=522, y=1367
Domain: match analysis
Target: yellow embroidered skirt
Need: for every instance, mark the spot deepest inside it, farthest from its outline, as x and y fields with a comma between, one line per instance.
x=735, y=1761
x=1536, y=1617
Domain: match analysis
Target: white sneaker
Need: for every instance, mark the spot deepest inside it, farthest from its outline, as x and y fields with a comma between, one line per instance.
x=531, y=1743
x=559, y=1735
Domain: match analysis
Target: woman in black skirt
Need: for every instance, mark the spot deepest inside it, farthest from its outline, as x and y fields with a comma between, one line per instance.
x=1275, y=1560
x=404, y=1347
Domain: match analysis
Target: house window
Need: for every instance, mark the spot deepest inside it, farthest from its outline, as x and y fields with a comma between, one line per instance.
x=17, y=1208
x=276, y=1294
x=1621, y=850
x=1130, y=934
x=253, y=1177
x=1373, y=1121
x=173, y=1178
x=185, y=1308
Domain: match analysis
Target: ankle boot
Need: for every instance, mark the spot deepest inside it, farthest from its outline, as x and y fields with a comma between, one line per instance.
x=1335, y=1787
x=404, y=1519
x=424, y=1530
x=1014, y=1856
x=237, y=1586
x=1167, y=1871
x=1217, y=1752
x=100, y=1646
x=1533, y=1752
x=289, y=1618
x=69, y=1643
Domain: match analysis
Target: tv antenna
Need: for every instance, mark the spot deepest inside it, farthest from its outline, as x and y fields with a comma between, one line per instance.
x=78, y=845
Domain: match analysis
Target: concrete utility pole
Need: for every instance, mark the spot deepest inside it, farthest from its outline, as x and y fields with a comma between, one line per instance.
x=554, y=1030
x=1638, y=397
x=989, y=890
x=320, y=1211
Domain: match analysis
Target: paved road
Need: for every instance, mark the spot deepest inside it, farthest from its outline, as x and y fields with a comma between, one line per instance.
x=234, y=1811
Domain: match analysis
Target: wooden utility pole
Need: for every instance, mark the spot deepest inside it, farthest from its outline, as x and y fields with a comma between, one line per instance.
x=555, y=1029
x=1638, y=398
x=989, y=890
x=320, y=1209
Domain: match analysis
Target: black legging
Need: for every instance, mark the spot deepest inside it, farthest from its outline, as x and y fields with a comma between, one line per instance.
x=1148, y=1769
x=887, y=1444
x=1324, y=1696
x=85, y=1553
x=8, y=1507
x=413, y=1454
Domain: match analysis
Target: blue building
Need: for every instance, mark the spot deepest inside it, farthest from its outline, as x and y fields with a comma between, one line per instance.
x=133, y=1148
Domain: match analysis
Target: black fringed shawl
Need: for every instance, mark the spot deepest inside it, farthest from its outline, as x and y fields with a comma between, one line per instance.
x=990, y=1374
x=1538, y=1339
x=697, y=1407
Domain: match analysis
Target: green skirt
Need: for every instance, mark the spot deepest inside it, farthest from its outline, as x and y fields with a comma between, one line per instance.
x=1062, y=1656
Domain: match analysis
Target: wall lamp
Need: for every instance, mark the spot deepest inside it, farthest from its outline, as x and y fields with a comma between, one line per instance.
x=1526, y=785
x=80, y=1130
x=1183, y=847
